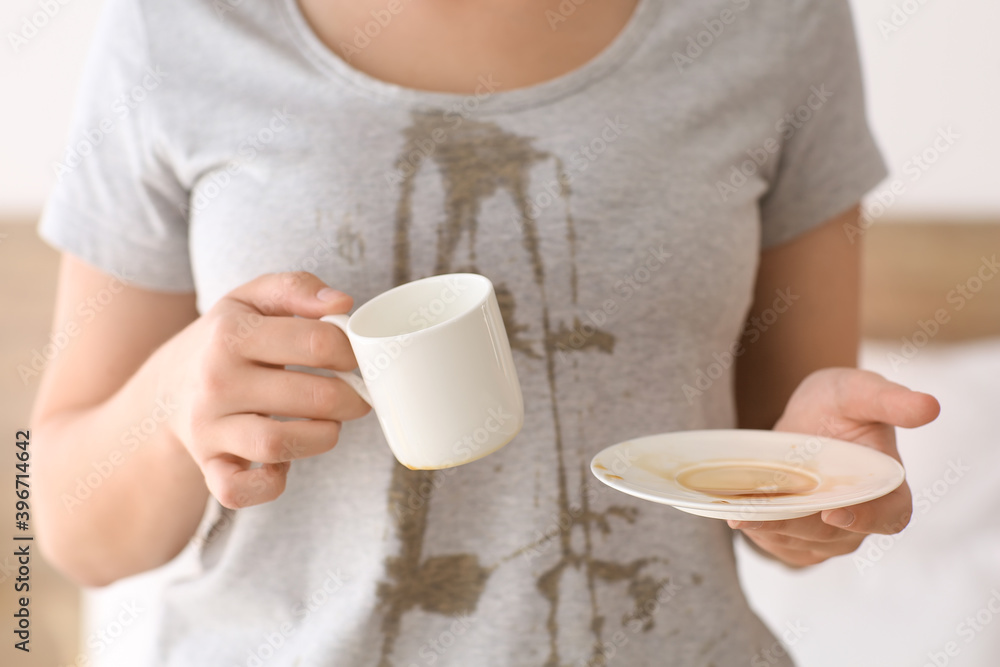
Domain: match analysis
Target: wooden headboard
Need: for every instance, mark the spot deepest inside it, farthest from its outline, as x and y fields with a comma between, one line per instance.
x=920, y=269
x=911, y=270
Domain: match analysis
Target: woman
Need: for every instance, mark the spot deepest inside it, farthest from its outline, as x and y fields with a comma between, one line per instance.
x=659, y=191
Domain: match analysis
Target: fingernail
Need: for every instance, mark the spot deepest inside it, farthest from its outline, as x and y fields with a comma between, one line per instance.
x=840, y=518
x=745, y=525
x=329, y=294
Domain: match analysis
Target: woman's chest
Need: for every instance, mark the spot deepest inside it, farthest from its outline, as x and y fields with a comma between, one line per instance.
x=564, y=214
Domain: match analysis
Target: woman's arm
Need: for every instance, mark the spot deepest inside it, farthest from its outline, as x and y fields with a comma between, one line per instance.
x=116, y=492
x=819, y=270
x=150, y=407
x=789, y=380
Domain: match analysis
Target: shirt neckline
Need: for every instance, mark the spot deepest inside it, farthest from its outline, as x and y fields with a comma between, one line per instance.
x=595, y=69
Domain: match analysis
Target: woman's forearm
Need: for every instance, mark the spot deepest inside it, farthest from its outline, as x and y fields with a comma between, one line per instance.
x=116, y=491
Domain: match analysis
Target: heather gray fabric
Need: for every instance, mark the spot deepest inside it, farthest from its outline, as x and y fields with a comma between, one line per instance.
x=619, y=210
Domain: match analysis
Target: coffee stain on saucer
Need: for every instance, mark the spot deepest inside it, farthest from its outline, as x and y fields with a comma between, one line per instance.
x=747, y=479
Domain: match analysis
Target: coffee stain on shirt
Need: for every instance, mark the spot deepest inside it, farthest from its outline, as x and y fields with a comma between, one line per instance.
x=505, y=299
x=477, y=159
x=579, y=338
x=350, y=244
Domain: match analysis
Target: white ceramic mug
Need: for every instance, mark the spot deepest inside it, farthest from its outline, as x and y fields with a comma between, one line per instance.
x=437, y=369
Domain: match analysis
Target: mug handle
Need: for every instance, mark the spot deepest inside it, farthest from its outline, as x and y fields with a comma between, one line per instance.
x=353, y=379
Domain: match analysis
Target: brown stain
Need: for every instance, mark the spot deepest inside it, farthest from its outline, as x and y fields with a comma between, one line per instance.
x=644, y=590
x=596, y=519
x=514, y=330
x=566, y=340
x=747, y=479
x=449, y=585
x=610, y=476
x=350, y=243
x=599, y=466
x=565, y=191
x=750, y=494
x=476, y=159
x=595, y=569
x=452, y=584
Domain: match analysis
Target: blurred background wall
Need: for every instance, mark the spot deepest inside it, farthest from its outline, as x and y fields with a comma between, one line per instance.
x=931, y=68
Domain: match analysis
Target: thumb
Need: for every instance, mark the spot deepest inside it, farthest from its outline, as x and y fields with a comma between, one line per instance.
x=868, y=397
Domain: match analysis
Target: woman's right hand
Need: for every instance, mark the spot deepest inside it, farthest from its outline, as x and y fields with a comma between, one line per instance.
x=226, y=374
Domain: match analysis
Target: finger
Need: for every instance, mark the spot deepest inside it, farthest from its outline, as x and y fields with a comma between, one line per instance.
x=800, y=555
x=844, y=544
x=234, y=484
x=811, y=528
x=287, y=393
x=292, y=293
x=296, y=341
x=886, y=515
x=265, y=440
x=868, y=397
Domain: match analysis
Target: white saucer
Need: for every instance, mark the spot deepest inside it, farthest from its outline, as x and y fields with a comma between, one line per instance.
x=844, y=473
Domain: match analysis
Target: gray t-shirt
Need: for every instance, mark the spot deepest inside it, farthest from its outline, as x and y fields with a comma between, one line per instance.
x=619, y=209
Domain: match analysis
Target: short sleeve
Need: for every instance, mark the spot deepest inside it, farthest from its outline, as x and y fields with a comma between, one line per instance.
x=828, y=157
x=117, y=204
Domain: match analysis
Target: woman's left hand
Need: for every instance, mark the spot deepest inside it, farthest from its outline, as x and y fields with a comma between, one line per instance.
x=858, y=406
